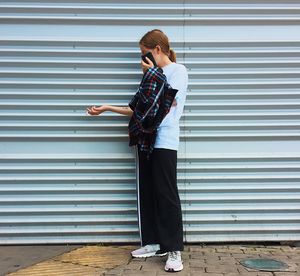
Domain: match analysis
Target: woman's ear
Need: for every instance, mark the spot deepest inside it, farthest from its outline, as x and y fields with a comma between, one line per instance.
x=158, y=49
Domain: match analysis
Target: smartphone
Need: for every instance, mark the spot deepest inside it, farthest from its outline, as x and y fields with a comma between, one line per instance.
x=150, y=56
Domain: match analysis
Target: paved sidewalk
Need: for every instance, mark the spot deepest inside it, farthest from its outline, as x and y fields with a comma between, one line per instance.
x=199, y=260
x=215, y=260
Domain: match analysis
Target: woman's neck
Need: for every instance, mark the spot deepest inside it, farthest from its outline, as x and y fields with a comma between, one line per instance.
x=166, y=62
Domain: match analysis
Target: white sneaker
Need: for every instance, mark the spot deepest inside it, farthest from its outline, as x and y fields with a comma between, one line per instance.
x=148, y=250
x=174, y=262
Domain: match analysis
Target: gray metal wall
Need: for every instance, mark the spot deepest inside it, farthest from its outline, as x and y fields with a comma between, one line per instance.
x=66, y=177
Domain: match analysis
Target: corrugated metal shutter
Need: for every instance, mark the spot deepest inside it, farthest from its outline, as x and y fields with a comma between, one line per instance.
x=66, y=177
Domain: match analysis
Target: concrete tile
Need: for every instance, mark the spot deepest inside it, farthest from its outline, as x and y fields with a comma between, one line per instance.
x=16, y=257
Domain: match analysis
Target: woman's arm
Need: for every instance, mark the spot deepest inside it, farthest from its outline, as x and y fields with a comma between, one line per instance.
x=124, y=110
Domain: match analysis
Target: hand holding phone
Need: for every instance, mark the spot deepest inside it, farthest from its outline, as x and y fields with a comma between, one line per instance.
x=150, y=56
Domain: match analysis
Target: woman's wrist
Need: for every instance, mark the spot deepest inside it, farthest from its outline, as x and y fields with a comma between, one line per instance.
x=106, y=107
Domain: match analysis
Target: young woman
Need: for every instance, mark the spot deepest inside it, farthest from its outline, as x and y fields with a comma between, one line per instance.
x=159, y=207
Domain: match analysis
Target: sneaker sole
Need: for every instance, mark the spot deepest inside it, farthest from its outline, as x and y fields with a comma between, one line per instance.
x=149, y=255
x=174, y=270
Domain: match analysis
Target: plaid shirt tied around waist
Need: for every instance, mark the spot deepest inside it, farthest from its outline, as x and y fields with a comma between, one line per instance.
x=151, y=103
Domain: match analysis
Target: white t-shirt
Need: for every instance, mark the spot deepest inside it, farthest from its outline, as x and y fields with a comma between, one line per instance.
x=168, y=131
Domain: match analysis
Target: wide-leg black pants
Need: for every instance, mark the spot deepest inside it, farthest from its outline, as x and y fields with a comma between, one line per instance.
x=158, y=201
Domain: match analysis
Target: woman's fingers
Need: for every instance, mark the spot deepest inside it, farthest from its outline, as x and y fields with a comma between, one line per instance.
x=91, y=111
x=94, y=109
x=150, y=62
x=145, y=65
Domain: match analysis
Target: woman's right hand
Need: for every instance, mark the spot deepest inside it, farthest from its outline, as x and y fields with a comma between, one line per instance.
x=93, y=110
x=146, y=66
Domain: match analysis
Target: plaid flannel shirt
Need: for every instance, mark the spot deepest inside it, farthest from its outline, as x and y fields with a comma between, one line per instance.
x=150, y=104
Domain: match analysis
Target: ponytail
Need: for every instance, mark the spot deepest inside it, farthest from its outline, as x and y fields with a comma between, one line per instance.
x=172, y=55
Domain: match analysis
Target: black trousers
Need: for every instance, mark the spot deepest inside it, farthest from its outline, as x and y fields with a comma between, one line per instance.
x=158, y=201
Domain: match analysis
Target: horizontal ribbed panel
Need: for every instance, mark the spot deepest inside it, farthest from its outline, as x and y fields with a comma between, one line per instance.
x=69, y=178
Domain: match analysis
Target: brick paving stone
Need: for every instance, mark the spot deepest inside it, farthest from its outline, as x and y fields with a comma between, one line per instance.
x=209, y=258
x=248, y=249
x=117, y=269
x=157, y=265
x=109, y=273
x=216, y=246
x=280, y=253
x=179, y=273
x=286, y=274
x=231, y=263
x=154, y=269
x=134, y=265
x=295, y=255
x=223, y=254
x=288, y=249
x=197, y=263
x=293, y=268
x=229, y=250
x=202, y=249
x=138, y=259
x=258, y=273
x=195, y=273
x=155, y=259
x=212, y=254
x=185, y=254
x=196, y=255
x=268, y=250
x=275, y=247
x=130, y=272
x=211, y=262
x=221, y=263
x=295, y=260
x=228, y=259
x=220, y=268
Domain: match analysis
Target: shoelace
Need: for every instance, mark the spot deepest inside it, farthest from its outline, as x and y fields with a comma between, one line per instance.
x=173, y=255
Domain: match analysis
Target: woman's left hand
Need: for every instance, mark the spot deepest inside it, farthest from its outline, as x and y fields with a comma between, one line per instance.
x=146, y=66
x=93, y=110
